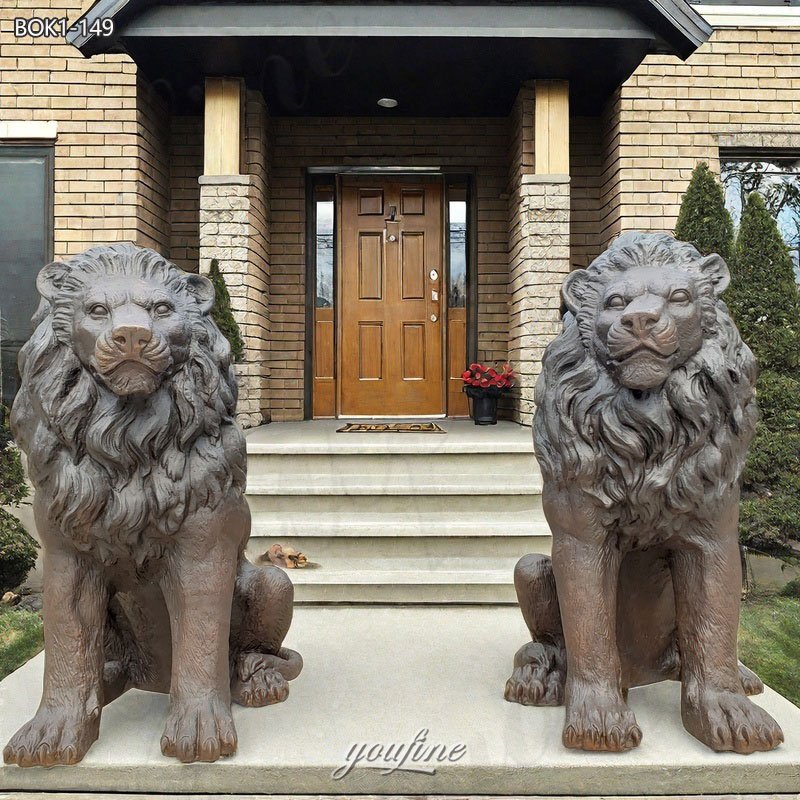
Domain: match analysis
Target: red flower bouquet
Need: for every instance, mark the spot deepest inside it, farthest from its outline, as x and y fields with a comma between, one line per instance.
x=482, y=377
x=483, y=386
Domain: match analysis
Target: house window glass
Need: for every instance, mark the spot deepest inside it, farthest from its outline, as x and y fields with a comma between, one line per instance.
x=26, y=215
x=777, y=180
x=457, y=232
x=324, y=247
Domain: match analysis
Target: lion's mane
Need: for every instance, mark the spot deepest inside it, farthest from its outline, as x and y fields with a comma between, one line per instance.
x=643, y=454
x=117, y=488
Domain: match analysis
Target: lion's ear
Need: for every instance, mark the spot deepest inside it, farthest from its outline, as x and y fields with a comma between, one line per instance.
x=50, y=280
x=202, y=290
x=715, y=268
x=572, y=289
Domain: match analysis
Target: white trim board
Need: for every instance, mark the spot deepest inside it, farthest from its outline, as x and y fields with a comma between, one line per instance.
x=750, y=16
x=27, y=129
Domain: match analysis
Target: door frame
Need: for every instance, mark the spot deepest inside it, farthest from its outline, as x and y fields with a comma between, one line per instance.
x=330, y=177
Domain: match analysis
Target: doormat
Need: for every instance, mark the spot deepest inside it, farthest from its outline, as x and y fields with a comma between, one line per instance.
x=391, y=427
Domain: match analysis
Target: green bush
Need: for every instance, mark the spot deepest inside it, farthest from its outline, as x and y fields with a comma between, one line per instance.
x=792, y=589
x=764, y=300
x=222, y=313
x=17, y=552
x=703, y=219
x=17, y=548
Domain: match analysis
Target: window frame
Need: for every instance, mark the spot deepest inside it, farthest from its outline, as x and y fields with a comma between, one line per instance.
x=27, y=148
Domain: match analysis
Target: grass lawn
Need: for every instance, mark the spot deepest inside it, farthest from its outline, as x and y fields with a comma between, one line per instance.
x=21, y=638
x=769, y=642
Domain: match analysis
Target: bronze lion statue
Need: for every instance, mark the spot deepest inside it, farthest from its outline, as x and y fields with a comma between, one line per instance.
x=644, y=411
x=126, y=412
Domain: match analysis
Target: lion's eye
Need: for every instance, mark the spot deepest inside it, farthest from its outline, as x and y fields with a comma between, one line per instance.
x=98, y=310
x=163, y=308
x=680, y=296
x=616, y=301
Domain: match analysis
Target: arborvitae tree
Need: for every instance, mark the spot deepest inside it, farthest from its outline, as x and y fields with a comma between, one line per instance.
x=764, y=300
x=763, y=296
x=223, y=315
x=17, y=548
x=703, y=219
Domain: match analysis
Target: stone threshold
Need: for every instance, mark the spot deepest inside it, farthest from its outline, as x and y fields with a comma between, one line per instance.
x=380, y=675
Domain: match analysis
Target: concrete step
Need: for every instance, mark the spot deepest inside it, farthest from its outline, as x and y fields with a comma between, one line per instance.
x=267, y=507
x=485, y=550
x=393, y=482
x=397, y=465
x=413, y=522
x=375, y=678
x=397, y=518
x=404, y=586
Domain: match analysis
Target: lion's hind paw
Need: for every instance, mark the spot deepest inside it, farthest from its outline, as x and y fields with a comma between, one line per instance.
x=256, y=683
x=538, y=676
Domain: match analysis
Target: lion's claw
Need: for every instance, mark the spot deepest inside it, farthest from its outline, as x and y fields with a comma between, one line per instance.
x=727, y=721
x=600, y=721
x=51, y=738
x=199, y=730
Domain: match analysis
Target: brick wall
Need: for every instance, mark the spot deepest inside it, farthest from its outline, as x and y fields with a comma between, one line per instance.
x=185, y=167
x=110, y=173
x=742, y=88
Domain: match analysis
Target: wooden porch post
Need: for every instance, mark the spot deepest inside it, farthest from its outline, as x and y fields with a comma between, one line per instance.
x=551, y=149
x=224, y=129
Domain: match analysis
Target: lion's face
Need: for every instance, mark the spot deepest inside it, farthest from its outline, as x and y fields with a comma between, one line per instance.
x=130, y=333
x=646, y=306
x=127, y=314
x=648, y=322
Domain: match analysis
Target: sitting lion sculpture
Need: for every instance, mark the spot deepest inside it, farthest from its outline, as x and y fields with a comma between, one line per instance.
x=644, y=411
x=126, y=412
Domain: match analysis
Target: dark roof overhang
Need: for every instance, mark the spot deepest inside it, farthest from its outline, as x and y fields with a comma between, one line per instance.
x=459, y=58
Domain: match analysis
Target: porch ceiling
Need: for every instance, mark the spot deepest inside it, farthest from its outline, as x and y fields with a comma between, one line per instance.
x=457, y=59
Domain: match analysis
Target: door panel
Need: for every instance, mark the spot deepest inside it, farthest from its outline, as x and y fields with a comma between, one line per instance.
x=370, y=266
x=412, y=265
x=370, y=351
x=391, y=352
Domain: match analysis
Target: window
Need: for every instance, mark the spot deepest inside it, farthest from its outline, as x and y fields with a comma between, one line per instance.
x=26, y=245
x=457, y=220
x=324, y=244
x=777, y=179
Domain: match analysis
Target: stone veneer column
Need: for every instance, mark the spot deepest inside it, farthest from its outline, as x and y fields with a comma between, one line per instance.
x=540, y=260
x=232, y=230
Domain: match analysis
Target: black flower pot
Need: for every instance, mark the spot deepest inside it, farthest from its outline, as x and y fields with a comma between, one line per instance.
x=484, y=404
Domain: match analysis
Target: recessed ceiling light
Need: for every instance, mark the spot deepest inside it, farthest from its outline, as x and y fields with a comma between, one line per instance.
x=387, y=102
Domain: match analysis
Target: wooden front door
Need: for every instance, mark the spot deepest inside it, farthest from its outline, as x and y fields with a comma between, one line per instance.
x=391, y=297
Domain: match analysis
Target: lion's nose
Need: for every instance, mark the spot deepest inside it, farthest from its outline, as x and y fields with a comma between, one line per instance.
x=131, y=339
x=639, y=322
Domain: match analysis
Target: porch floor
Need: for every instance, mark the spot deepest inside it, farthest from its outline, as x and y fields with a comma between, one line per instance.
x=381, y=675
x=320, y=436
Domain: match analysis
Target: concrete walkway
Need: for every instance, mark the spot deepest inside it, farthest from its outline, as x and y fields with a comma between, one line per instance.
x=380, y=676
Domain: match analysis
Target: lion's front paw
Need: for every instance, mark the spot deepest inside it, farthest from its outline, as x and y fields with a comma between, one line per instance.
x=54, y=736
x=199, y=729
x=599, y=720
x=726, y=720
x=256, y=683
